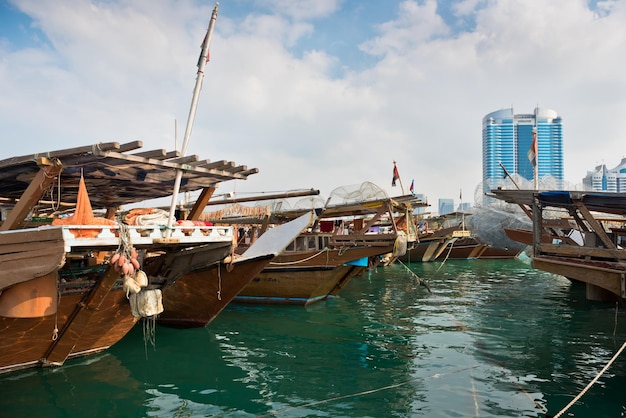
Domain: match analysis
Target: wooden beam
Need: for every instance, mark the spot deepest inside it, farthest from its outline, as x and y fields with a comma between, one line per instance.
x=200, y=163
x=129, y=146
x=595, y=225
x=31, y=196
x=238, y=169
x=156, y=153
x=184, y=160
x=376, y=217
x=219, y=165
x=171, y=154
x=102, y=146
x=580, y=251
x=200, y=203
x=110, y=213
x=249, y=172
x=77, y=322
x=285, y=195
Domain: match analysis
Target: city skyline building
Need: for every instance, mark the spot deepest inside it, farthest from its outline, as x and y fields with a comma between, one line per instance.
x=602, y=179
x=507, y=139
x=445, y=206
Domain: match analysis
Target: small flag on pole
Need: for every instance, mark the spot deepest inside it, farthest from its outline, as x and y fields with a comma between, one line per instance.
x=396, y=175
x=461, y=195
x=411, y=188
x=533, y=151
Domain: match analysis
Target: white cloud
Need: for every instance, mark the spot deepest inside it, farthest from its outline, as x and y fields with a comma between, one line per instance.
x=124, y=71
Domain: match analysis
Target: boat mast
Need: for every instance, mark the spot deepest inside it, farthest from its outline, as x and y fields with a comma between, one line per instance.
x=192, y=111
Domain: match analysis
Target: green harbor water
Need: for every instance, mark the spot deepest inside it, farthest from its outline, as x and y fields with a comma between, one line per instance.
x=493, y=339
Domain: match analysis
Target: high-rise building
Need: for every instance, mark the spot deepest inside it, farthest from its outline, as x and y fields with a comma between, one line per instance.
x=446, y=206
x=603, y=179
x=507, y=139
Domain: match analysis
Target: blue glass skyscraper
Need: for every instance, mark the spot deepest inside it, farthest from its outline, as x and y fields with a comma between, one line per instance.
x=508, y=137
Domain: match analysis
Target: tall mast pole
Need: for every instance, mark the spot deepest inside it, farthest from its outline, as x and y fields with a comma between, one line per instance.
x=192, y=111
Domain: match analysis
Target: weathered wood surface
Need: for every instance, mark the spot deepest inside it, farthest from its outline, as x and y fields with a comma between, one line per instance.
x=114, y=177
x=581, y=251
x=24, y=341
x=326, y=258
x=297, y=285
x=595, y=274
x=79, y=320
x=25, y=255
x=196, y=298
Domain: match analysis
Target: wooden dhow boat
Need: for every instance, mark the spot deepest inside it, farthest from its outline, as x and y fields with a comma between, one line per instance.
x=196, y=298
x=344, y=241
x=579, y=235
x=454, y=240
x=61, y=293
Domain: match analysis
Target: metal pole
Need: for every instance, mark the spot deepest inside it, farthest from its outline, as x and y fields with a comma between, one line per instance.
x=192, y=110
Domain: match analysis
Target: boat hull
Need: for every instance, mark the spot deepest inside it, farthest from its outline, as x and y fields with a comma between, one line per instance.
x=424, y=251
x=24, y=342
x=79, y=307
x=462, y=249
x=196, y=298
x=298, y=285
x=500, y=253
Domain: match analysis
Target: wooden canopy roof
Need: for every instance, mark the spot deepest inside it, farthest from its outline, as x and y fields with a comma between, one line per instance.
x=115, y=177
x=606, y=202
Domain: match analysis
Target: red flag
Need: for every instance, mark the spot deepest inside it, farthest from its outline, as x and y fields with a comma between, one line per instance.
x=396, y=175
x=411, y=188
x=533, y=151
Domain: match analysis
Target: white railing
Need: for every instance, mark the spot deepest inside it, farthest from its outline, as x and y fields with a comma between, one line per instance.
x=146, y=235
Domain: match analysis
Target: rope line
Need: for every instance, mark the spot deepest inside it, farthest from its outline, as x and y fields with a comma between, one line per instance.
x=445, y=259
x=418, y=278
x=288, y=263
x=366, y=392
x=595, y=379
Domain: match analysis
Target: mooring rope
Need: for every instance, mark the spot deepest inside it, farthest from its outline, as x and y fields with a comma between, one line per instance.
x=418, y=278
x=595, y=379
x=445, y=259
x=287, y=263
x=366, y=392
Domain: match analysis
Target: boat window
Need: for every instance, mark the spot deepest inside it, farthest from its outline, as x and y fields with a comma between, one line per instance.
x=301, y=244
x=311, y=243
x=291, y=246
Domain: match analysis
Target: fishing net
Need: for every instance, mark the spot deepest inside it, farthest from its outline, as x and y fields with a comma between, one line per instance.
x=490, y=216
x=356, y=193
x=83, y=215
x=487, y=224
x=311, y=202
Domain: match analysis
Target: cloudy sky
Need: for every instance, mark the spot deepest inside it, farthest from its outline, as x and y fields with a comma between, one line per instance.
x=316, y=93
